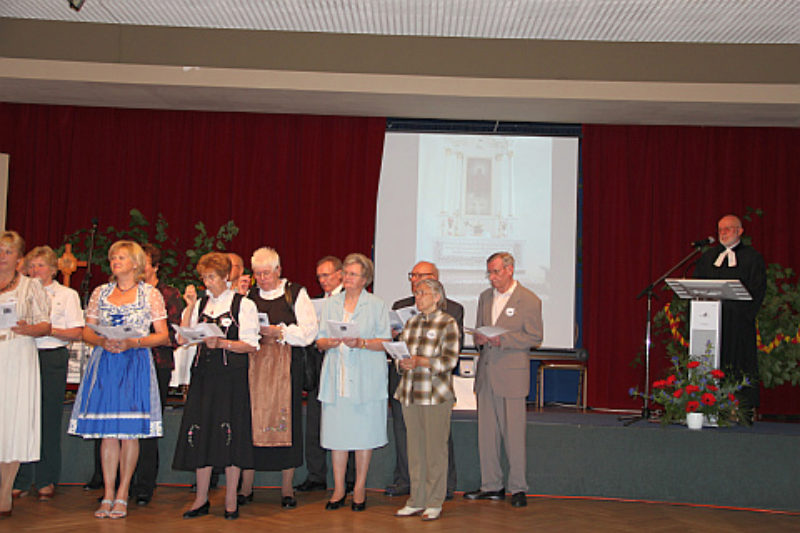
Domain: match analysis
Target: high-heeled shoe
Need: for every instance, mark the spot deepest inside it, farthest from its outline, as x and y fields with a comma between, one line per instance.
x=288, y=502
x=47, y=493
x=333, y=505
x=18, y=493
x=194, y=513
x=358, y=507
x=232, y=515
x=242, y=499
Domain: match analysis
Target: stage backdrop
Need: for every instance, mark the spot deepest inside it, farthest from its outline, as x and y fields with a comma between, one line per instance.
x=307, y=185
x=649, y=192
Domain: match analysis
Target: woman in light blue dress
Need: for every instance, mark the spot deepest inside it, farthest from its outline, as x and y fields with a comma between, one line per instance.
x=353, y=386
x=118, y=399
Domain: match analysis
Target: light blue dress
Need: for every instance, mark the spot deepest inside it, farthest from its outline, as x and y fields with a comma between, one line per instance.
x=353, y=383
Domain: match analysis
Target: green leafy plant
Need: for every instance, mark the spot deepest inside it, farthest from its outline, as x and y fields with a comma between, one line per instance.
x=177, y=263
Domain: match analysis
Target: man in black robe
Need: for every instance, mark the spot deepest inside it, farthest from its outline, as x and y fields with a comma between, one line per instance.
x=731, y=259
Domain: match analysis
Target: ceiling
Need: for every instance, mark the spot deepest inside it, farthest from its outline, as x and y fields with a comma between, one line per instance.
x=28, y=77
x=697, y=21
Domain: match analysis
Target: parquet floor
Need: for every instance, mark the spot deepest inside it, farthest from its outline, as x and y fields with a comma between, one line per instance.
x=72, y=511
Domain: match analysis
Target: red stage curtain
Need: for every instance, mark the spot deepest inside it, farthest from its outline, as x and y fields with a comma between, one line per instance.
x=306, y=185
x=648, y=192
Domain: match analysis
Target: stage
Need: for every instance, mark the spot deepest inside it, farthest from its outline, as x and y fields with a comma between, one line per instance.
x=584, y=455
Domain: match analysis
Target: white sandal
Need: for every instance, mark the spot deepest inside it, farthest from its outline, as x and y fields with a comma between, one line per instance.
x=104, y=513
x=114, y=514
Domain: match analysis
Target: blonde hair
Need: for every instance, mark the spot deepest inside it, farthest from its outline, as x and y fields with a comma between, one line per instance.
x=46, y=254
x=14, y=240
x=137, y=256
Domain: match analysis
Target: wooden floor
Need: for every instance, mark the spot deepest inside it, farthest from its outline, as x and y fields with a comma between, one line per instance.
x=72, y=509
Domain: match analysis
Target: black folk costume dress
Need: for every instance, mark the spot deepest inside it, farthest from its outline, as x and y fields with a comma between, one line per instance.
x=216, y=427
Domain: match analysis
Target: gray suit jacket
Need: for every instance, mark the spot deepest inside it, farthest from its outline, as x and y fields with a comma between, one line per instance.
x=507, y=367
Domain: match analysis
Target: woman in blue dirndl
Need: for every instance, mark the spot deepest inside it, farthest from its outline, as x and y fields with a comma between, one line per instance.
x=118, y=399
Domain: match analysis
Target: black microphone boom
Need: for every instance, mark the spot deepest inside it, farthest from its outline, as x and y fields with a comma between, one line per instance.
x=702, y=242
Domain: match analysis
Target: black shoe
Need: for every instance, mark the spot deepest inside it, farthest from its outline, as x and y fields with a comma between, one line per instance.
x=143, y=499
x=332, y=506
x=519, y=499
x=449, y=495
x=232, y=515
x=486, y=494
x=358, y=507
x=308, y=486
x=397, y=490
x=349, y=486
x=93, y=484
x=288, y=502
x=194, y=513
x=242, y=499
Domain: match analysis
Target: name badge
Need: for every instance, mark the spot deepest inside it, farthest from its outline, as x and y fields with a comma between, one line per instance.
x=431, y=334
x=509, y=311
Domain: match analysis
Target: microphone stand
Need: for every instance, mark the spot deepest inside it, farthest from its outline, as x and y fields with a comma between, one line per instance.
x=645, y=414
x=87, y=278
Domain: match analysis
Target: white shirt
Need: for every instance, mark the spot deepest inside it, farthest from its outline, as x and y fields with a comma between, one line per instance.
x=499, y=301
x=248, y=315
x=335, y=291
x=304, y=331
x=65, y=313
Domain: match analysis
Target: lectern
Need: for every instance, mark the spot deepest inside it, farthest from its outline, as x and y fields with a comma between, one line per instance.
x=705, y=324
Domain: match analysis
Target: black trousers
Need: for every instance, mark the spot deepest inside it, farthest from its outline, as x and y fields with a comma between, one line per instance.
x=53, y=375
x=144, y=478
x=401, y=478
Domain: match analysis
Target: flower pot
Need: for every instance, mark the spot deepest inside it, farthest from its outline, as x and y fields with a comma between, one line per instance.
x=694, y=420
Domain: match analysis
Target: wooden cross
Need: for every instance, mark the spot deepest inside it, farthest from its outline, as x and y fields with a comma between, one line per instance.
x=68, y=263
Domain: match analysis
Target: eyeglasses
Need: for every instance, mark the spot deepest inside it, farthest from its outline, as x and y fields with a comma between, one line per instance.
x=264, y=273
x=723, y=229
x=325, y=276
x=423, y=293
x=495, y=271
x=353, y=274
x=419, y=275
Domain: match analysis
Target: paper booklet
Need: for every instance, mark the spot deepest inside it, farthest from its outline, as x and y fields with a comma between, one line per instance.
x=399, y=317
x=8, y=314
x=487, y=331
x=198, y=333
x=343, y=330
x=115, y=332
x=398, y=350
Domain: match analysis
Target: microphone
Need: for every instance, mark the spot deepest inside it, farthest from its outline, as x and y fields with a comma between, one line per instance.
x=702, y=242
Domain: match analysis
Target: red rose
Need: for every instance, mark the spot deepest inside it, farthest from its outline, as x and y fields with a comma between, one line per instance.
x=692, y=388
x=678, y=393
x=659, y=384
x=693, y=364
x=671, y=379
x=712, y=387
x=719, y=374
x=731, y=397
x=708, y=399
x=692, y=406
